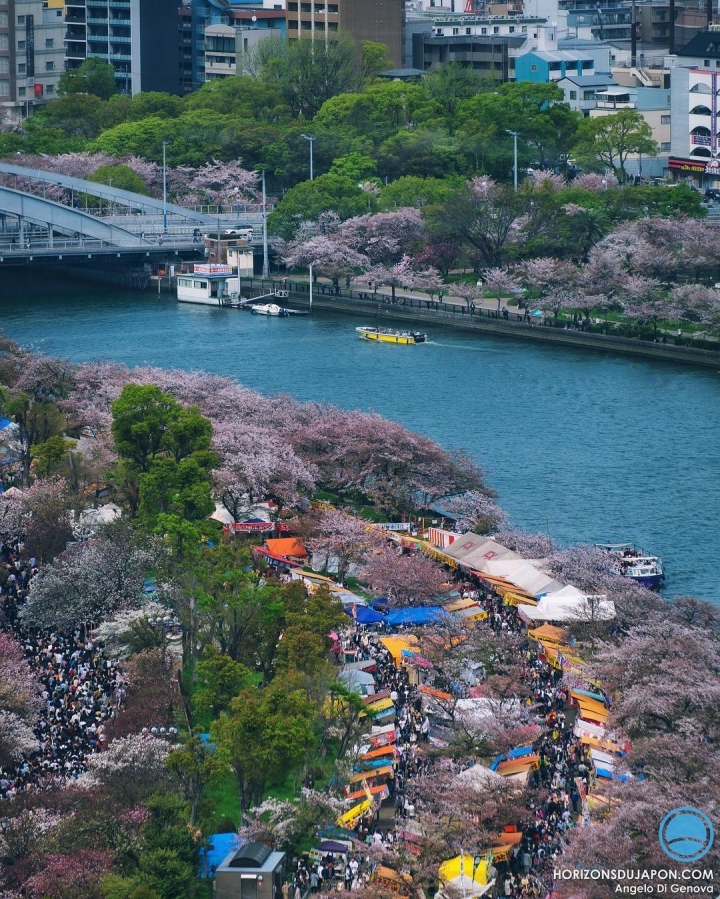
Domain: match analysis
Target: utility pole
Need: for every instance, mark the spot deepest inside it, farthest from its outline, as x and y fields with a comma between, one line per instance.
x=164, y=143
x=266, y=266
x=515, y=157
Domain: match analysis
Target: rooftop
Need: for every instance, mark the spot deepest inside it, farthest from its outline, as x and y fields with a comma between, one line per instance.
x=706, y=44
x=590, y=80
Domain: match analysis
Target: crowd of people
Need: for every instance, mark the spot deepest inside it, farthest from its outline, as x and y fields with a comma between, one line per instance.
x=80, y=688
x=555, y=789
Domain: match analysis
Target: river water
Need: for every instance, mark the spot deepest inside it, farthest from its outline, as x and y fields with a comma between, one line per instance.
x=586, y=446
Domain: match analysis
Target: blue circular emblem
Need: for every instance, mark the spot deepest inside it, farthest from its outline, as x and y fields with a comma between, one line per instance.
x=686, y=834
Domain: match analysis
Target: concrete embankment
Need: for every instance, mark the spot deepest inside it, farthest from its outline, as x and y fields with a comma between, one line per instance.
x=364, y=304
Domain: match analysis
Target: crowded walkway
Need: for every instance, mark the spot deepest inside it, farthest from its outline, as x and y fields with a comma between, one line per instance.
x=80, y=688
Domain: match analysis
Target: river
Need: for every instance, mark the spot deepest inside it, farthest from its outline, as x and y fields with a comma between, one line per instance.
x=586, y=446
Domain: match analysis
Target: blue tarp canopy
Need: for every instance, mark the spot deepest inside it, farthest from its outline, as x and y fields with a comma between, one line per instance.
x=364, y=615
x=220, y=846
x=520, y=752
x=382, y=602
x=4, y=422
x=420, y=616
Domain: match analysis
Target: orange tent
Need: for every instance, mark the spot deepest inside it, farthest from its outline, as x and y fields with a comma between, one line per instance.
x=517, y=766
x=290, y=547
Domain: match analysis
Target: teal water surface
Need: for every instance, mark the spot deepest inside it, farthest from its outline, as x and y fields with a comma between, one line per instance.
x=585, y=446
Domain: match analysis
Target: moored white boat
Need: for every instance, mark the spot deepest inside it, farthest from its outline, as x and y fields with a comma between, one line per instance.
x=268, y=309
x=632, y=562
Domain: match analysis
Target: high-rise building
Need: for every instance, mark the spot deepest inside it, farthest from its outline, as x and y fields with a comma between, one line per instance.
x=137, y=37
x=382, y=21
x=32, y=50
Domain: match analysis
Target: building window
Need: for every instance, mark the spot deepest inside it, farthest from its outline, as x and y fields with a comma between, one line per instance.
x=468, y=31
x=573, y=95
x=5, y=65
x=664, y=119
x=588, y=95
x=21, y=67
x=49, y=66
x=21, y=45
x=4, y=42
x=21, y=92
x=483, y=31
x=3, y=19
x=49, y=43
x=512, y=29
x=50, y=89
x=21, y=20
x=533, y=68
x=456, y=31
x=496, y=30
x=665, y=147
x=4, y=87
x=706, y=63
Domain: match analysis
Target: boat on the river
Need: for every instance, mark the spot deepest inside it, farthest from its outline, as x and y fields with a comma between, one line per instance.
x=387, y=335
x=268, y=309
x=634, y=563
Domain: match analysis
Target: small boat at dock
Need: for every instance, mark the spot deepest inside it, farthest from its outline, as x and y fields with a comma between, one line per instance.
x=387, y=335
x=268, y=309
x=634, y=563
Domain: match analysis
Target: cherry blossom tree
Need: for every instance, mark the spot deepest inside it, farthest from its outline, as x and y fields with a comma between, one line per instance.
x=409, y=579
x=129, y=631
x=385, y=237
x=342, y=539
x=644, y=299
x=547, y=274
x=70, y=876
x=499, y=281
x=531, y=546
x=595, y=182
x=330, y=257
x=404, y=274
x=131, y=767
x=19, y=690
x=256, y=464
x=547, y=179
x=475, y=511
x=90, y=581
x=16, y=738
x=225, y=182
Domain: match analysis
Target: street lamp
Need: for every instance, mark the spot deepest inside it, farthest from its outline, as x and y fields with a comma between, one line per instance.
x=515, y=167
x=311, y=140
x=164, y=143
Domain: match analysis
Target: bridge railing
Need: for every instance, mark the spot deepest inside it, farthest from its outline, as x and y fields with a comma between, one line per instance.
x=28, y=246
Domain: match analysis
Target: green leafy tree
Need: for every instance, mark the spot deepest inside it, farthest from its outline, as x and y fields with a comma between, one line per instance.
x=120, y=176
x=196, y=765
x=93, y=76
x=373, y=59
x=307, y=72
x=354, y=166
x=219, y=679
x=154, y=103
x=608, y=141
x=49, y=456
x=305, y=202
x=165, y=462
x=264, y=736
x=414, y=190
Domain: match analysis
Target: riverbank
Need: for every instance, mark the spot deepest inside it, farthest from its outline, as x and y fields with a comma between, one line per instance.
x=450, y=315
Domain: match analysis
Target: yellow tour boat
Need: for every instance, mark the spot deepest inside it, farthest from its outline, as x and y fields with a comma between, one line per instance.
x=387, y=335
